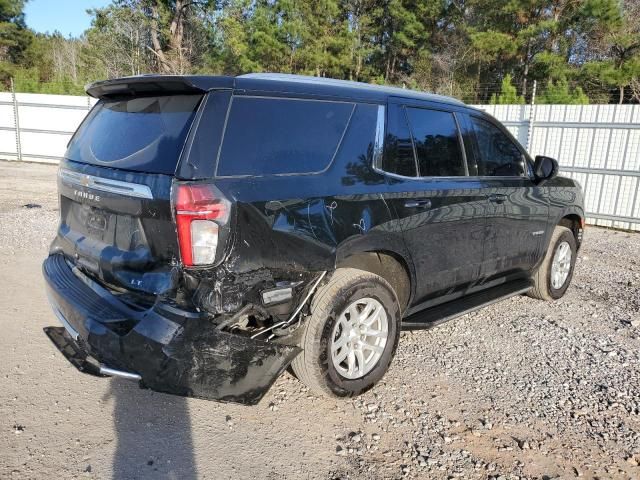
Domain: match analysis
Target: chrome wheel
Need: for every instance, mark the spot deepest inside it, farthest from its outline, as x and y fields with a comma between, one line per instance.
x=359, y=337
x=561, y=265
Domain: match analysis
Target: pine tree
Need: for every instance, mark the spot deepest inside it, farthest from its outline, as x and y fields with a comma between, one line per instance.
x=559, y=93
x=508, y=94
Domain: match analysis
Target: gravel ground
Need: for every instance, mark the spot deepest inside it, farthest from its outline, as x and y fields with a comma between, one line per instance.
x=521, y=389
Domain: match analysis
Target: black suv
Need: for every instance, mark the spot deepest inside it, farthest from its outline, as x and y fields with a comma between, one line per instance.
x=216, y=230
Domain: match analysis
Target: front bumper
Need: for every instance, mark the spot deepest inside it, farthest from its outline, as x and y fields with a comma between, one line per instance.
x=168, y=351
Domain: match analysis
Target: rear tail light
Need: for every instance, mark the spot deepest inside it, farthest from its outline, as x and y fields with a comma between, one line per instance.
x=200, y=212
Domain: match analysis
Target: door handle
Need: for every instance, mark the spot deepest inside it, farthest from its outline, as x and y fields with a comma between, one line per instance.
x=497, y=197
x=418, y=204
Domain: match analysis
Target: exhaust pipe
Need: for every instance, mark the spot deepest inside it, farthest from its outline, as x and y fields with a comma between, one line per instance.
x=112, y=372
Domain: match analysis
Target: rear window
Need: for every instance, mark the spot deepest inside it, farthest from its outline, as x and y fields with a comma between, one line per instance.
x=269, y=136
x=144, y=134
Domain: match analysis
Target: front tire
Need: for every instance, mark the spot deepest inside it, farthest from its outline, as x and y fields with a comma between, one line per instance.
x=351, y=336
x=554, y=275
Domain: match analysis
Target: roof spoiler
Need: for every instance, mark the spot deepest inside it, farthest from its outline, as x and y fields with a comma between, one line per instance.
x=149, y=84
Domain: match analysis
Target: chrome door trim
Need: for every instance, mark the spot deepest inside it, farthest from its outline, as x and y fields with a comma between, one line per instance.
x=378, y=145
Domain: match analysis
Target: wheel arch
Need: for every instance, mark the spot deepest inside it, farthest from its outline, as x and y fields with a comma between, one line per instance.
x=574, y=222
x=389, y=265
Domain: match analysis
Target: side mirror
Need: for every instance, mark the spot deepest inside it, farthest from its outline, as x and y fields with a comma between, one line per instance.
x=545, y=168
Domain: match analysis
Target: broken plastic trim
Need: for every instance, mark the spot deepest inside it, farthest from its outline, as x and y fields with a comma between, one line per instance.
x=187, y=357
x=287, y=322
x=235, y=317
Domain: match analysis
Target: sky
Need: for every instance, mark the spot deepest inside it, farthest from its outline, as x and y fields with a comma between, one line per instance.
x=69, y=17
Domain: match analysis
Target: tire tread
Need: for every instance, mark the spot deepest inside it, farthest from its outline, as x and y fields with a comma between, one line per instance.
x=540, y=289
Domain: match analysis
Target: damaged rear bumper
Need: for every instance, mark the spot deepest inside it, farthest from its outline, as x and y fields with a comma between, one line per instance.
x=161, y=348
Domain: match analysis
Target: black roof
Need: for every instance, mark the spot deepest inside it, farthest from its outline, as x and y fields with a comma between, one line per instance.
x=259, y=82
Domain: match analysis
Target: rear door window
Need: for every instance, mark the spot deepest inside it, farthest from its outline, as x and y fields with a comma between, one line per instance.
x=496, y=155
x=271, y=136
x=143, y=134
x=437, y=143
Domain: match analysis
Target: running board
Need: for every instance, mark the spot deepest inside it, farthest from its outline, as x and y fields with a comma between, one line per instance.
x=439, y=314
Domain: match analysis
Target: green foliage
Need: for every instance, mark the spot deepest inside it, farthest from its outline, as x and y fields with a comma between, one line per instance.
x=604, y=12
x=621, y=68
x=491, y=44
x=28, y=81
x=477, y=50
x=14, y=37
x=554, y=66
x=559, y=93
x=508, y=94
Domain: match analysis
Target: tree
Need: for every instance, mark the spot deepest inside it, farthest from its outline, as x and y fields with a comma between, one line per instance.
x=508, y=94
x=173, y=30
x=559, y=93
x=360, y=16
x=618, y=65
x=490, y=46
x=324, y=48
x=14, y=37
x=463, y=48
x=117, y=44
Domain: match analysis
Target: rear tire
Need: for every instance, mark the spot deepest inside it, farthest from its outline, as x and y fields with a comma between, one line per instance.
x=340, y=312
x=551, y=280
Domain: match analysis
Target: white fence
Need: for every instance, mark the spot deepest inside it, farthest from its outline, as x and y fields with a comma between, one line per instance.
x=598, y=145
x=37, y=127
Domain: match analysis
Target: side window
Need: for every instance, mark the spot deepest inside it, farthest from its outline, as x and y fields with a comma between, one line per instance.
x=270, y=136
x=497, y=155
x=398, y=155
x=435, y=135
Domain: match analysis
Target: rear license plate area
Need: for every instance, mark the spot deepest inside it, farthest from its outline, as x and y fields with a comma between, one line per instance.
x=96, y=220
